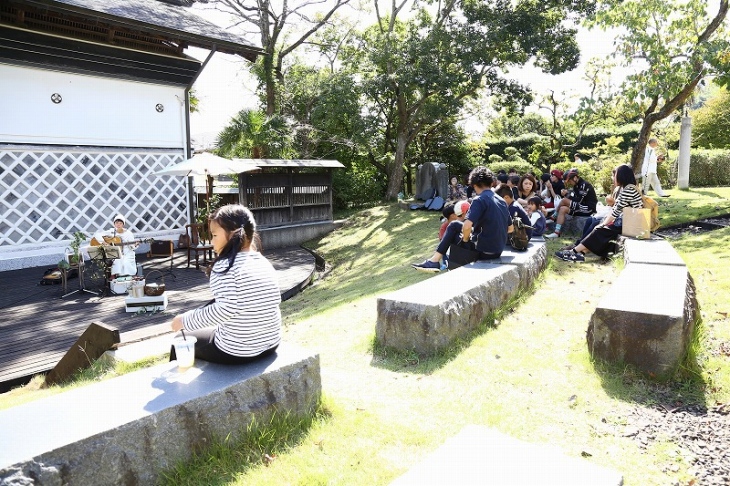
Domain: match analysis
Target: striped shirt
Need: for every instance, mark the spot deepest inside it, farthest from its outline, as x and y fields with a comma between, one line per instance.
x=629, y=197
x=246, y=309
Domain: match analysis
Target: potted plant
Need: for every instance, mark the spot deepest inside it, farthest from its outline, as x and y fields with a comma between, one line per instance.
x=75, y=254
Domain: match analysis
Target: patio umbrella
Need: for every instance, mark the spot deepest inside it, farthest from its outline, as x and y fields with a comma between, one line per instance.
x=208, y=165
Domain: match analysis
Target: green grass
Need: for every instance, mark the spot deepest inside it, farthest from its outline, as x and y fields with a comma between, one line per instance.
x=526, y=372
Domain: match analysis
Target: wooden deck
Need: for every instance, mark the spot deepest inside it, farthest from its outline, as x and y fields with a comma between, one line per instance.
x=38, y=326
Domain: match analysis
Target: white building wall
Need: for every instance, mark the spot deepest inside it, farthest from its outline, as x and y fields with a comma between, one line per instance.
x=93, y=110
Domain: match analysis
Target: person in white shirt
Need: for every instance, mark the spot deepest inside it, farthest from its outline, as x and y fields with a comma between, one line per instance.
x=243, y=323
x=649, y=168
x=124, y=239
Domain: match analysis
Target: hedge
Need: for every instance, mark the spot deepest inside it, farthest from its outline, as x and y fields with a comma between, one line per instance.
x=709, y=168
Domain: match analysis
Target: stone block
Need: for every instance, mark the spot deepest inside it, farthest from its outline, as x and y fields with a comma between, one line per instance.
x=427, y=316
x=646, y=319
x=479, y=455
x=656, y=252
x=573, y=225
x=129, y=429
x=530, y=263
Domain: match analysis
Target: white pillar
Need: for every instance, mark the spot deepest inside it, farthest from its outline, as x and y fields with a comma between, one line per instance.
x=685, y=137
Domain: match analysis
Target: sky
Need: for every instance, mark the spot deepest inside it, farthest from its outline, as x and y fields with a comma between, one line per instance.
x=225, y=87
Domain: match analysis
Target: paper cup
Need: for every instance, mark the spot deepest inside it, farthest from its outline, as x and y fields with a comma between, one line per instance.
x=184, y=351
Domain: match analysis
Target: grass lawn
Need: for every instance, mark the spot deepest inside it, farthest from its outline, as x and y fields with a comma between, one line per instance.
x=527, y=374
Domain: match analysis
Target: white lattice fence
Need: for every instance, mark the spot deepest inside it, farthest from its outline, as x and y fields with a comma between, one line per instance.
x=48, y=193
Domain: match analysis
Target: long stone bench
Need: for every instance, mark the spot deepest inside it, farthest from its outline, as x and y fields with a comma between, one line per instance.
x=427, y=316
x=647, y=317
x=480, y=455
x=129, y=429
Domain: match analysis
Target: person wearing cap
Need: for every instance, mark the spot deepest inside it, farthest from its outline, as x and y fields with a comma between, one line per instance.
x=127, y=264
x=449, y=234
x=649, y=168
x=580, y=201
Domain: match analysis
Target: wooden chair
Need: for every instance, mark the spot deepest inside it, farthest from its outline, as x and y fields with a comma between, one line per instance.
x=197, y=246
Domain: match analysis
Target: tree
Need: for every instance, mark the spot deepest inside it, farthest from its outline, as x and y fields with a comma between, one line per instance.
x=677, y=44
x=252, y=134
x=273, y=22
x=511, y=126
x=417, y=74
x=712, y=122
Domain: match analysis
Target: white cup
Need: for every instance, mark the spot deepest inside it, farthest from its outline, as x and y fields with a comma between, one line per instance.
x=184, y=351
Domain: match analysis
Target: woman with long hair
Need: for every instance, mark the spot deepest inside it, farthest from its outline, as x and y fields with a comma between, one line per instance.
x=526, y=189
x=243, y=322
x=601, y=240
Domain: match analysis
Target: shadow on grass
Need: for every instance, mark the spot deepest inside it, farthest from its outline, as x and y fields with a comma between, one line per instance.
x=224, y=461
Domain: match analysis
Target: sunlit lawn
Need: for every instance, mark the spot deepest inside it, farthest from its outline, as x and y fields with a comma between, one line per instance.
x=529, y=376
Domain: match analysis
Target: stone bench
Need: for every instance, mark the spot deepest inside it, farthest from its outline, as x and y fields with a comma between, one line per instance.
x=647, y=317
x=479, y=455
x=427, y=316
x=129, y=429
x=574, y=225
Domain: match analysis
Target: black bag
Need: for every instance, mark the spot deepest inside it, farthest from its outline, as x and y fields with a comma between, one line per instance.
x=518, y=239
x=461, y=254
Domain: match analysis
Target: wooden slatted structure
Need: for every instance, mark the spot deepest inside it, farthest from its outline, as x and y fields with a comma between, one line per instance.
x=38, y=326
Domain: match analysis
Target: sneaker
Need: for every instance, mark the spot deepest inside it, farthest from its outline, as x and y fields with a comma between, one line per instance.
x=664, y=195
x=427, y=266
x=551, y=236
x=570, y=256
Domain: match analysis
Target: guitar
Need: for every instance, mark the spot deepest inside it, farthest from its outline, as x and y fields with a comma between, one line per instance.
x=117, y=241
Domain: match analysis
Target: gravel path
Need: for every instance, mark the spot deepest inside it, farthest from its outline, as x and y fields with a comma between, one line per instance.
x=702, y=434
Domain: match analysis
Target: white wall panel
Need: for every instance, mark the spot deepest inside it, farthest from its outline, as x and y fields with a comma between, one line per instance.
x=94, y=110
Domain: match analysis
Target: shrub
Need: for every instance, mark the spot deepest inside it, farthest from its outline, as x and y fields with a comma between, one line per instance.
x=505, y=165
x=709, y=168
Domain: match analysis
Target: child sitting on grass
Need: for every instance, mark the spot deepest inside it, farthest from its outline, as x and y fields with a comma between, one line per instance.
x=449, y=234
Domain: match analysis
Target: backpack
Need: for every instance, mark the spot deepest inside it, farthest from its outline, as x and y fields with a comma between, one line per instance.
x=437, y=204
x=652, y=205
x=518, y=238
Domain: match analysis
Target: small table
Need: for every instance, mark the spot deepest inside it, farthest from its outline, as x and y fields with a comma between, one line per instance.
x=146, y=303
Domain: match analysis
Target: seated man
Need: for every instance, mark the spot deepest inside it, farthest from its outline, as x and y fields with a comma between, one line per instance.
x=450, y=233
x=488, y=217
x=580, y=201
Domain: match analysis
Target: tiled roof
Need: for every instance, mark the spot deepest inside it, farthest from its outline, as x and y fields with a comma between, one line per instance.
x=161, y=17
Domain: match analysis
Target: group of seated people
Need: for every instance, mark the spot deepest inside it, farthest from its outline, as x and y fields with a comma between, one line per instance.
x=485, y=220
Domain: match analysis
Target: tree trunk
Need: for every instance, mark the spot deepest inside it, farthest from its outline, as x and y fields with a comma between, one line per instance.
x=270, y=85
x=637, y=153
x=395, y=177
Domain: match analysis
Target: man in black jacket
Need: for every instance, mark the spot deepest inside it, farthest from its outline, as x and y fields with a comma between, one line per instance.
x=581, y=200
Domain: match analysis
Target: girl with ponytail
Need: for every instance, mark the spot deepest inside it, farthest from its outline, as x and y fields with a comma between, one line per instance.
x=243, y=323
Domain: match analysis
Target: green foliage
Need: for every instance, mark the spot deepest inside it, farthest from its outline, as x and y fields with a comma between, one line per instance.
x=677, y=45
x=512, y=126
x=709, y=168
x=419, y=73
x=711, y=123
x=522, y=167
x=357, y=187
x=253, y=135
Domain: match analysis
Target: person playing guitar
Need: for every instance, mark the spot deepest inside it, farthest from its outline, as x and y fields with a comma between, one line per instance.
x=124, y=239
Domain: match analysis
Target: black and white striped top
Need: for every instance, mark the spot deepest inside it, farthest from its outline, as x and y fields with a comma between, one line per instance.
x=246, y=308
x=629, y=197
